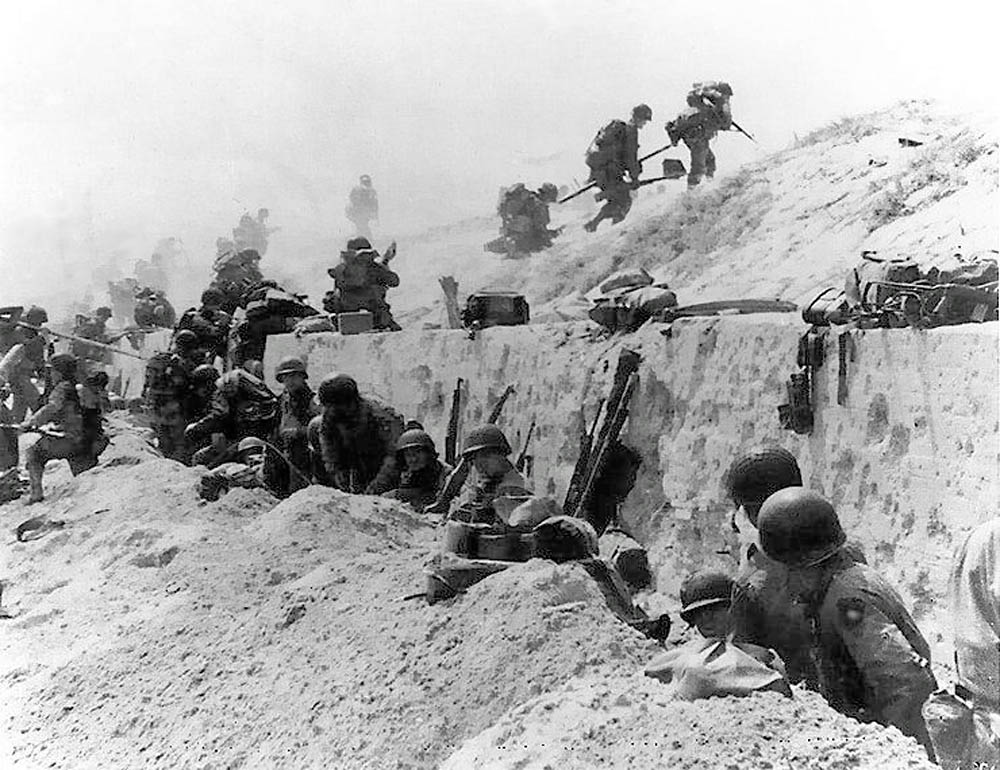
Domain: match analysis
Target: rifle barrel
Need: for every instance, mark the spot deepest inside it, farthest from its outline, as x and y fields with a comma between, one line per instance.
x=102, y=345
x=592, y=185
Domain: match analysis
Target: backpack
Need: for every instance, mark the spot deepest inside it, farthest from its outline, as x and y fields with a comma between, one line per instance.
x=495, y=308
x=606, y=144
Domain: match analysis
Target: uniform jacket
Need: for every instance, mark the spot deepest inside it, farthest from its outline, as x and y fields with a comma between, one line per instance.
x=477, y=502
x=975, y=597
x=63, y=411
x=242, y=406
x=364, y=447
x=874, y=664
x=212, y=328
x=421, y=488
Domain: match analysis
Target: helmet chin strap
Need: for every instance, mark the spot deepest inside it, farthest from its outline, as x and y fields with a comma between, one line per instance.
x=747, y=535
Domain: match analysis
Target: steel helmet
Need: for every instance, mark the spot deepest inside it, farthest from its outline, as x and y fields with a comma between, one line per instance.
x=185, y=338
x=103, y=312
x=365, y=179
x=548, y=192
x=36, y=316
x=359, y=244
x=486, y=437
x=290, y=365
x=204, y=374
x=212, y=297
x=704, y=589
x=249, y=443
x=799, y=528
x=756, y=475
x=338, y=389
x=642, y=112
x=415, y=437
x=64, y=363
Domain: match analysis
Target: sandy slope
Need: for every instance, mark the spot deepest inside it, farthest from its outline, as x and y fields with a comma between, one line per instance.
x=158, y=631
x=787, y=225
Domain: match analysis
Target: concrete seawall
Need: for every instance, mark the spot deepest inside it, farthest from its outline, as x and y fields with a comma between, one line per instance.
x=910, y=459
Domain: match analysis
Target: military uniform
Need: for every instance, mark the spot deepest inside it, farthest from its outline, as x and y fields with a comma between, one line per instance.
x=421, y=487
x=242, y=406
x=873, y=662
x=361, y=284
x=608, y=173
x=166, y=396
x=362, y=208
x=212, y=329
x=94, y=403
x=62, y=413
x=477, y=504
x=708, y=112
x=234, y=275
x=524, y=220
x=295, y=412
x=359, y=455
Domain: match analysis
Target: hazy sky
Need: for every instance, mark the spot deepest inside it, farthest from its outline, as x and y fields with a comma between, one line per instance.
x=127, y=122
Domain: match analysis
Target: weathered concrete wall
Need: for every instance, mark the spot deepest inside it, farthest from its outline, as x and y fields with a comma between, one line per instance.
x=910, y=460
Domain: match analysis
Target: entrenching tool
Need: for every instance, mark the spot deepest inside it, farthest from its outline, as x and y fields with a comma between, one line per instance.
x=592, y=185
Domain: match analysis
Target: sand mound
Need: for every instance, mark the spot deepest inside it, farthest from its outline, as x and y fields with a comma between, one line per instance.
x=627, y=722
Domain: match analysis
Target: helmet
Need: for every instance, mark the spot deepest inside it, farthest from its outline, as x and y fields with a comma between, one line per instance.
x=185, y=338
x=359, y=244
x=704, y=589
x=338, y=389
x=642, y=112
x=64, y=363
x=204, y=374
x=415, y=437
x=365, y=179
x=212, y=297
x=36, y=316
x=248, y=443
x=103, y=312
x=548, y=192
x=756, y=475
x=289, y=365
x=486, y=437
x=255, y=367
x=799, y=527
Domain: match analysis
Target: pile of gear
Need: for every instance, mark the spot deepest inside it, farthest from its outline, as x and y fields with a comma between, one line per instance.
x=628, y=299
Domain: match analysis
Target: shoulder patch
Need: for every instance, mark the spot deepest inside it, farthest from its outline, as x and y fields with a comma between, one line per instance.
x=850, y=611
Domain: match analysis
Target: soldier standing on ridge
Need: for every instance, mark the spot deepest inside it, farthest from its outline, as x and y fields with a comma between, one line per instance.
x=362, y=207
x=614, y=153
x=874, y=664
x=707, y=113
x=357, y=438
x=362, y=280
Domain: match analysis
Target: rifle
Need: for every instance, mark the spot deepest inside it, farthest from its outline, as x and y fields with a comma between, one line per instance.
x=628, y=365
x=641, y=183
x=582, y=459
x=451, y=437
x=522, y=456
x=592, y=185
x=43, y=430
x=389, y=253
x=457, y=477
x=610, y=429
x=738, y=128
x=73, y=337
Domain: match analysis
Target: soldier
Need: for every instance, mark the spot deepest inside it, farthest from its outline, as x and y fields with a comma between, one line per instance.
x=873, y=662
x=487, y=448
x=423, y=474
x=707, y=113
x=764, y=610
x=246, y=471
x=234, y=274
x=166, y=390
x=61, y=424
x=362, y=206
x=25, y=360
x=296, y=408
x=242, y=406
x=613, y=153
x=524, y=220
x=94, y=404
x=357, y=438
x=209, y=324
x=153, y=310
x=362, y=281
